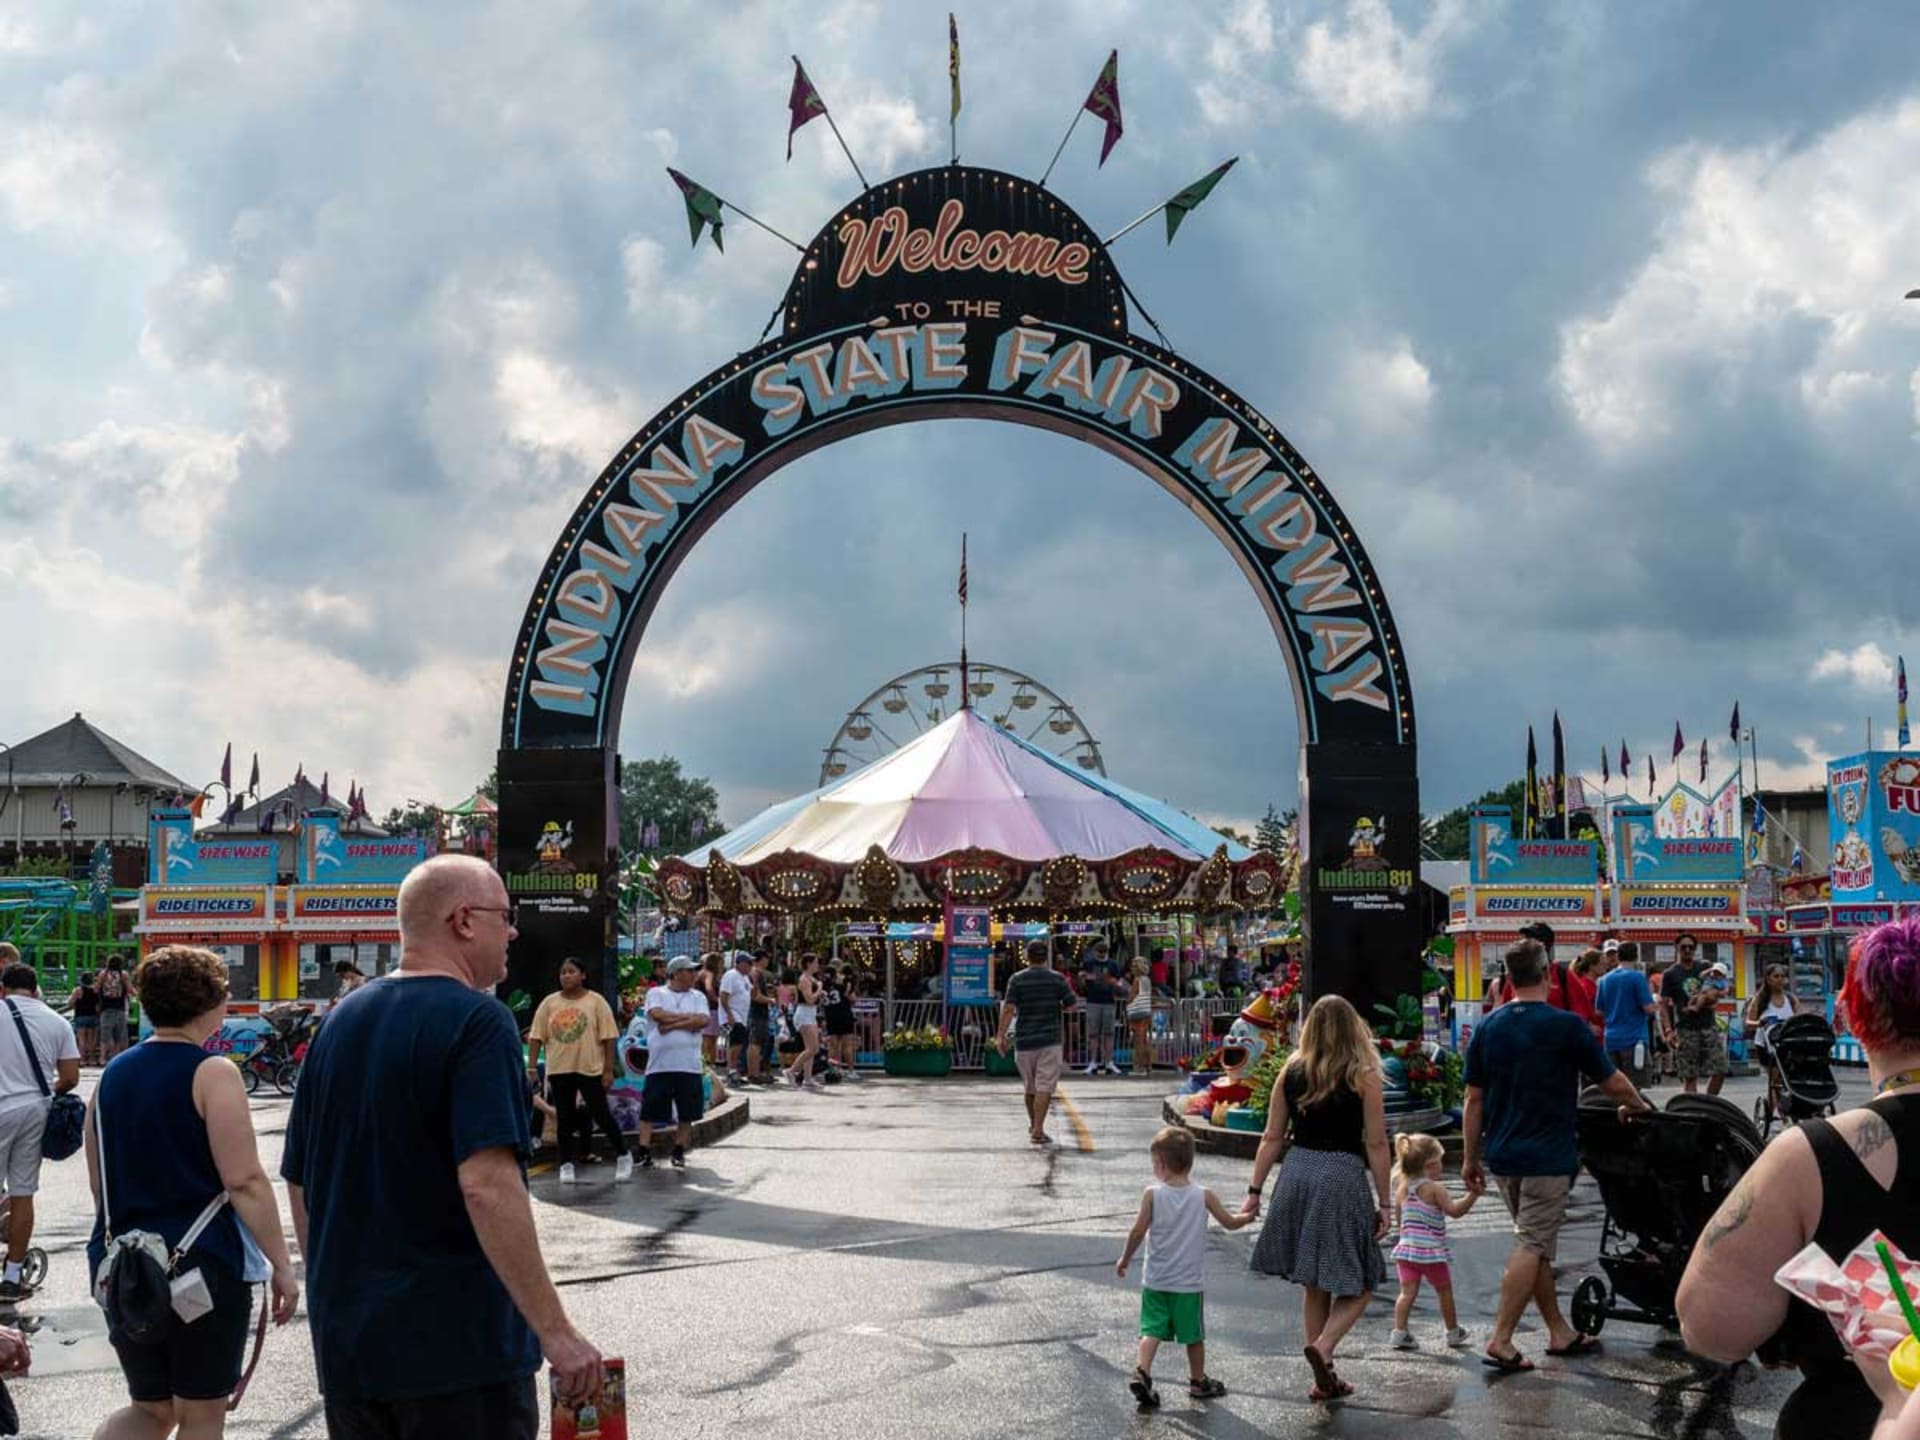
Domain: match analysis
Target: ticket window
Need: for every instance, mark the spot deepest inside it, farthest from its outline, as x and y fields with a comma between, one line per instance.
x=243, y=970
x=318, y=978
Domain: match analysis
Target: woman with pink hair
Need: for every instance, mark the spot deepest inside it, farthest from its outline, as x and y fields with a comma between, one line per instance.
x=1832, y=1183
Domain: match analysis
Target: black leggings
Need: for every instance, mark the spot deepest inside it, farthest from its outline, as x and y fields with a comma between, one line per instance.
x=566, y=1091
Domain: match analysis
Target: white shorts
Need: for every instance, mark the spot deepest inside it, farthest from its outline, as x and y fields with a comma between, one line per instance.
x=20, y=1133
x=805, y=1015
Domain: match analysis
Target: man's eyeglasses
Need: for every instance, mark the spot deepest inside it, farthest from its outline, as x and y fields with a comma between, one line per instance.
x=511, y=912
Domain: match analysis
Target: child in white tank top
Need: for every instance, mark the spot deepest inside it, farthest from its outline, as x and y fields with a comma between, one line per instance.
x=1173, y=1223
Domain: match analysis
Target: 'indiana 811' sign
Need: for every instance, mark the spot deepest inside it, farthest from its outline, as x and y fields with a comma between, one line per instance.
x=960, y=292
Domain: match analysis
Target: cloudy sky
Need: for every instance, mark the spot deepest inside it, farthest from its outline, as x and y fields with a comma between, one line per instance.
x=316, y=320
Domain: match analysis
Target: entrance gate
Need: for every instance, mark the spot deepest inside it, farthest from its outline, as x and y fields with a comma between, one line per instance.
x=963, y=292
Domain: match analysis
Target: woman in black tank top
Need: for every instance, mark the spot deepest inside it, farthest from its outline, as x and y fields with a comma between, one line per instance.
x=1831, y=1183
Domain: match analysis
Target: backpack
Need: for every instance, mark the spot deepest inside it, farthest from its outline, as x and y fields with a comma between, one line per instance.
x=1558, y=995
x=113, y=986
x=134, y=1285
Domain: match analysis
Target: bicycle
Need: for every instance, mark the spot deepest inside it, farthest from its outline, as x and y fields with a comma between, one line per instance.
x=279, y=1057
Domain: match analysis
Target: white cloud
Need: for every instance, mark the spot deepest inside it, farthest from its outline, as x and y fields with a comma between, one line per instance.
x=1866, y=667
x=1396, y=376
x=1369, y=69
x=54, y=174
x=1768, y=258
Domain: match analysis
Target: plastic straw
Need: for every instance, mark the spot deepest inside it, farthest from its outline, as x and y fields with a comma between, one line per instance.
x=1899, y=1289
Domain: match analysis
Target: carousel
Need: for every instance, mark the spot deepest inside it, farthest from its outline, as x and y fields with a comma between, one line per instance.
x=970, y=814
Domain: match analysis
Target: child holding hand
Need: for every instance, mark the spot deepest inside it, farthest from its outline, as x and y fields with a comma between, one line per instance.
x=1421, y=1205
x=1173, y=1223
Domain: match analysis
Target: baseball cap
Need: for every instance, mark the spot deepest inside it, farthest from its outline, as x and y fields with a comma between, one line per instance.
x=1612, y=947
x=741, y=957
x=1717, y=970
x=681, y=962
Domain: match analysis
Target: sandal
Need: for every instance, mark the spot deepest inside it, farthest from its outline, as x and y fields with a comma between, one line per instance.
x=1141, y=1386
x=1206, y=1388
x=1341, y=1389
x=1514, y=1364
x=1579, y=1345
x=1326, y=1384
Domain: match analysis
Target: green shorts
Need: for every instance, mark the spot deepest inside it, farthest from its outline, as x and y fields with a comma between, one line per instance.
x=1177, y=1315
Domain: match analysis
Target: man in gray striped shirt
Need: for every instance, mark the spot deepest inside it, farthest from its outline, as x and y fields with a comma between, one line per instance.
x=1040, y=997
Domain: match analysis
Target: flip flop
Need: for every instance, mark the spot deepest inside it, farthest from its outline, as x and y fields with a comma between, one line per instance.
x=1326, y=1384
x=1514, y=1364
x=1581, y=1345
x=1341, y=1390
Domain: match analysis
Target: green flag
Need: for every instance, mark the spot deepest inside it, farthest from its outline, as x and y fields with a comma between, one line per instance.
x=703, y=207
x=1178, y=207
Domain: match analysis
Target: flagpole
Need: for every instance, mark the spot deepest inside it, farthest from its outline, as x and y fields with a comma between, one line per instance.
x=1131, y=226
x=751, y=218
x=827, y=111
x=1063, y=145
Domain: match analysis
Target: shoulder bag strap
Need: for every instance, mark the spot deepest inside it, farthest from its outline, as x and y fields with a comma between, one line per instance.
x=198, y=1228
x=100, y=1155
x=33, y=1055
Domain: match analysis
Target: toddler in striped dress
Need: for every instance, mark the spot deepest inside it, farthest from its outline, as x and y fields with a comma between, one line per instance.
x=1421, y=1205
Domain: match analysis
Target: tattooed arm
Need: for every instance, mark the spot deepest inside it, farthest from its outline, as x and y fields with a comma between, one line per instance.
x=1728, y=1302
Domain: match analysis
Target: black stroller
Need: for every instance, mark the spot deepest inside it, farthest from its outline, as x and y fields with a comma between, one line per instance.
x=1801, y=1047
x=1661, y=1178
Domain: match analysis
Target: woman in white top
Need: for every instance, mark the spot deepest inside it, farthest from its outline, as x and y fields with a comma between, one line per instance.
x=1772, y=1002
x=806, y=1020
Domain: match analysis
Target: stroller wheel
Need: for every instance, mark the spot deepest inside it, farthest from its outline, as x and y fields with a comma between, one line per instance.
x=1589, y=1309
x=34, y=1271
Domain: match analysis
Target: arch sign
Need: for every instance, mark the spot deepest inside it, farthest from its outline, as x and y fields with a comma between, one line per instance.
x=962, y=292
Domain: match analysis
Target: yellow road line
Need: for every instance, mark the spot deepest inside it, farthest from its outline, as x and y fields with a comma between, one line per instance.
x=1080, y=1131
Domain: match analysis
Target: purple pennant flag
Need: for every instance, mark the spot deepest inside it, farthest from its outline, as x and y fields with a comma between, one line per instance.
x=1606, y=775
x=1703, y=759
x=1733, y=725
x=1650, y=780
x=1104, y=101
x=1679, y=744
x=1626, y=762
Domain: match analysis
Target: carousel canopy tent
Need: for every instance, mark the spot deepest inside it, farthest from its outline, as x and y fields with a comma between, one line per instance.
x=967, y=784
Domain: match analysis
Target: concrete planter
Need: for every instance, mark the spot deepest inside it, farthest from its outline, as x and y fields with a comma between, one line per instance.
x=921, y=1064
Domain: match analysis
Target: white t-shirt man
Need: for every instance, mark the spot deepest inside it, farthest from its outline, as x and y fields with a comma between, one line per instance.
x=53, y=1041
x=673, y=1052
x=736, y=995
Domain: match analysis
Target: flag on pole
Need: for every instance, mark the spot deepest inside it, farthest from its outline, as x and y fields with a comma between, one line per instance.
x=253, y=780
x=1906, y=735
x=197, y=804
x=1799, y=861
x=1606, y=775
x=232, y=812
x=1703, y=759
x=1759, y=815
x=1181, y=205
x=953, y=66
x=1556, y=807
x=1104, y=101
x=703, y=208
x=963, y=570
x=1530, y=811
x=1650, y=780
x=325, y=797
x=1679, y=744
x=1626, y=764
x=226, y=769
x=803, y=103
x=1733, y=725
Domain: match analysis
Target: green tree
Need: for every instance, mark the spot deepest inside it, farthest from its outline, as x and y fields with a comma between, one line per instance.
x=1276, y=830
x=685, y=808
x=1449, y=835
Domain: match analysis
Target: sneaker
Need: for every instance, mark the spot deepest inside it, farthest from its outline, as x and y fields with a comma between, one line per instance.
x=623, y=1169
x=679, y=1158
x=646, y=1158
x=12, y=1292
x=1458, y=1337
x=1115, y=1070
x=852, y=1075
x=814, y=1085
x=1401, y=1340
x=567, y=1177
x=1091, y=1070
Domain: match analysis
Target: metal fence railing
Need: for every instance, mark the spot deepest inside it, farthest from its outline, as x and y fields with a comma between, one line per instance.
x=1180, y=1030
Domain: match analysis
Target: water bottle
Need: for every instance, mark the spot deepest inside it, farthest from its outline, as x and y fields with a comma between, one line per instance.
x=1640, y=1055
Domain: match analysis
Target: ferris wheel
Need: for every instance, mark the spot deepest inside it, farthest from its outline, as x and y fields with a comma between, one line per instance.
x=914, y=702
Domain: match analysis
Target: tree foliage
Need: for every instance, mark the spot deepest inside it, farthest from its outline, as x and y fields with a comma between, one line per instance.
x=1276, y=830
x=1449, y=835
x=685, y=808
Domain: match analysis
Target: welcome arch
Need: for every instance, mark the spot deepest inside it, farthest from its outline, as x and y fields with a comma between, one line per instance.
x=958, y=292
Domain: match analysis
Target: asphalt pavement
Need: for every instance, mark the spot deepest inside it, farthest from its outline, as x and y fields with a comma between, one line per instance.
x=893, y=1259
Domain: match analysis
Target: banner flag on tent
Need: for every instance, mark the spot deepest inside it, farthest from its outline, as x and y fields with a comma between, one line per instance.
x=1606, y=775
x=1557, y=795
x=1906, y=736
x=1679, y=744
x=1188, y=200
x=1650, y=780
x=953, y=65
x=703, y=208
x=963, y=569
x=1759, y=816
x=253, y=780
x=1103, y=101
x=1703, y=759
x=226, y=769
x=1733, y=725
x=1626, y=764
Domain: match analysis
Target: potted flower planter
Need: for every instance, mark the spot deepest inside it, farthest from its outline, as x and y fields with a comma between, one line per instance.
x=924, y=1063
x=998, y=1064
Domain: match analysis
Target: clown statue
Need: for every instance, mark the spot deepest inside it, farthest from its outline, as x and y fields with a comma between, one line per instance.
x=1259, y=1026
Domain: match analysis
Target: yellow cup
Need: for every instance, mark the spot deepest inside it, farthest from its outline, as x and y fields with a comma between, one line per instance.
x=1904, y=1363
